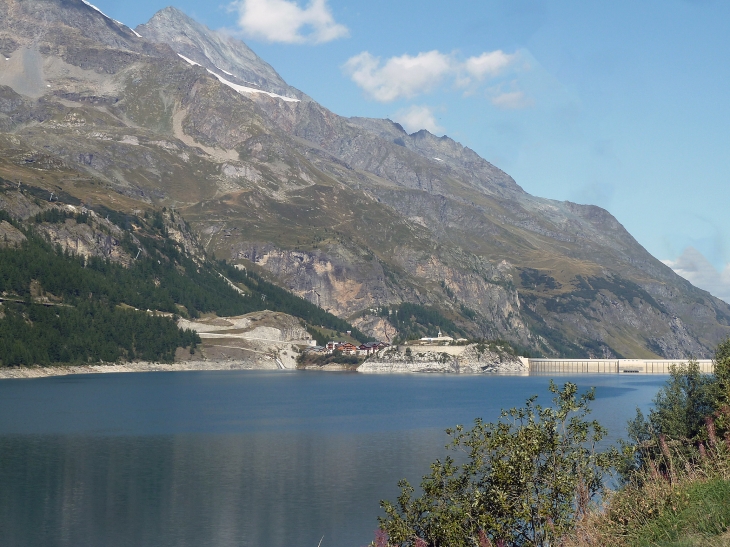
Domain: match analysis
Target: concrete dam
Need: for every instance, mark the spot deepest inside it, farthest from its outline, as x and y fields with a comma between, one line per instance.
x=611, y=366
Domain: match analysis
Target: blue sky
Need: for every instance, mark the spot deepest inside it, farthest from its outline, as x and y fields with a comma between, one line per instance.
x=621, y=104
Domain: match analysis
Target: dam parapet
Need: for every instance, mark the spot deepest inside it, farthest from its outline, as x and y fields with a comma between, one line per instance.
x=611, y=366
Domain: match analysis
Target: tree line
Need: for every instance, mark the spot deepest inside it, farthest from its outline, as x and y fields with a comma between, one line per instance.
x=33, y=334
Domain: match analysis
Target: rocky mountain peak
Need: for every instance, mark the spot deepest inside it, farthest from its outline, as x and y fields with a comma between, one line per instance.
x=215, y=50
x=44, y=18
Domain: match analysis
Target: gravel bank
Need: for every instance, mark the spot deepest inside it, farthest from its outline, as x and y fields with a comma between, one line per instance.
x=43, y=372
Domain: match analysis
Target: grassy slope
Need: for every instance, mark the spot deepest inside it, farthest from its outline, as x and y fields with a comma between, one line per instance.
x=691, y=511
x=701, y=517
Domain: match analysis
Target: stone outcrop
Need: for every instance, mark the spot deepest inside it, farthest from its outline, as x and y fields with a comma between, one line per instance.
x=262, y=340
x=471, y=359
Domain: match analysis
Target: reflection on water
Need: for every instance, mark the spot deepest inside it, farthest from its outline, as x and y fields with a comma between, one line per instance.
x=236, y=459
x=285, y=489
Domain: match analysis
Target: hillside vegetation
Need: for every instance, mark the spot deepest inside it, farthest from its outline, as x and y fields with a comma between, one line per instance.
x=61, y=307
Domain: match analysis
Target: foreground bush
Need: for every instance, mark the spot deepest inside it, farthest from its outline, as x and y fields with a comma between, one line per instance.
x=528, y=478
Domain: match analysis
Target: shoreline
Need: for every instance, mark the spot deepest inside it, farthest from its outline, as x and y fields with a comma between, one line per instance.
x=10, y=373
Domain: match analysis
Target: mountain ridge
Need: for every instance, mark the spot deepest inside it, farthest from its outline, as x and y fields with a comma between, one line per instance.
x=351, y=213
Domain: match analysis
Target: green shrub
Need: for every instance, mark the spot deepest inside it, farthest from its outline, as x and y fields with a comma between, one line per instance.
x=527, y=478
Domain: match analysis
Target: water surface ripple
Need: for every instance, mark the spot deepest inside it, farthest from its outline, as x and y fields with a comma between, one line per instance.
x=224, y=459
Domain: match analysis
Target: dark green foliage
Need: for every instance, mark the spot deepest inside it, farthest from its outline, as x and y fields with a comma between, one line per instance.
x=680, y=407
x=90, y=332
x=468, y=312
x=526, y=481
x=317, y=335
x=682, y=404
x=158, y=223
x=278, y=299
x=4, y=215
x=123, y=220
x=722, y=373
x=154, y=282
x=163, y=278
x=414, y=321
x=534, y=279
x=309, y=359
x=45, y=195
x=56, y=216
x=89, y=326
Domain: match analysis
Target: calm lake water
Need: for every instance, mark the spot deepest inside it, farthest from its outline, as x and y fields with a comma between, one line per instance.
x=223, y=459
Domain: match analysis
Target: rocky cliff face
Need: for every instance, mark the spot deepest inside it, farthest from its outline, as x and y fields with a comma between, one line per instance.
x=352, y=214
x=471, y=359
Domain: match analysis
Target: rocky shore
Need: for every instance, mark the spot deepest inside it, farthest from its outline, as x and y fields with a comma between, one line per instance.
x=43, y=372
x=472, y=359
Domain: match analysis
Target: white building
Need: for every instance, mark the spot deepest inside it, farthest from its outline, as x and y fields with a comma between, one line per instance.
x=439, y=338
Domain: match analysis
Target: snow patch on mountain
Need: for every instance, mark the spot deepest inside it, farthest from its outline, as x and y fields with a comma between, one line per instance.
x=92, y=6
x=188, y=61
x=236, y=87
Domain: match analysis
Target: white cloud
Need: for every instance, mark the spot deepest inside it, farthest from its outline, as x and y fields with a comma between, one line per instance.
x=407, y=76
x=511, y=100
x=695, y=268
x=488, y=64
x=403, y=76
x=416, y=118
x=285, y=21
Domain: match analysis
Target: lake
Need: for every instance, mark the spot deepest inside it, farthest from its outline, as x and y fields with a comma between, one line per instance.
x=239, y=458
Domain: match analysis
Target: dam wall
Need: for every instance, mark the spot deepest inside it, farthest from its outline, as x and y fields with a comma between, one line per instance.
x=612, y=366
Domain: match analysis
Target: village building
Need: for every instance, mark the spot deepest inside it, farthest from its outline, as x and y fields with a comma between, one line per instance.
x=347, y=348
x=319, y=350
x=439, y=339
x=368, y=348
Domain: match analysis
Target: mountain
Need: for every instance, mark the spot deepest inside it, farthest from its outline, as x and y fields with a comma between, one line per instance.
x=353, y=214
x=221, y=54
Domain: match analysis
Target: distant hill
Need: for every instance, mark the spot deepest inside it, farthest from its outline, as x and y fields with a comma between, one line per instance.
x=76, y=288
x=353, y=215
